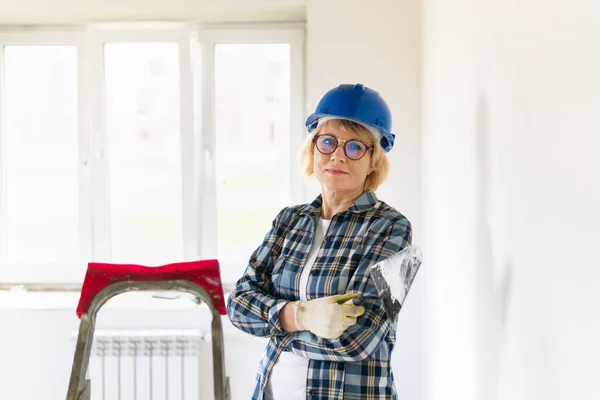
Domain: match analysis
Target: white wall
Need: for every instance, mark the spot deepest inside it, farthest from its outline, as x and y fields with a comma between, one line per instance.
x=347, y=42
x=511, y=146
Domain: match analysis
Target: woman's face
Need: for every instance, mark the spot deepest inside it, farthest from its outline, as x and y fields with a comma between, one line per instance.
x=336, y=171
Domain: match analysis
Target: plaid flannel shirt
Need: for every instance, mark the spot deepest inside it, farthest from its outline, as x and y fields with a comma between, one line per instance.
x=356, y=365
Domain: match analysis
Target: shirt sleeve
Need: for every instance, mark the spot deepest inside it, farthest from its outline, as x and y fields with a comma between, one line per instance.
x=363, y=339
x=251, y=307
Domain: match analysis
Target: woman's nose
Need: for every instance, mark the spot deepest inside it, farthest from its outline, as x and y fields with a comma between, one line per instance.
x=339, y=154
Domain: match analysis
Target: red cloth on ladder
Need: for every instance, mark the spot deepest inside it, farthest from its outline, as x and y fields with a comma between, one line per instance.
x=205, y=273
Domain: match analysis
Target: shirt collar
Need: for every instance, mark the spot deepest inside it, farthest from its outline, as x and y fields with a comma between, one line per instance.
x=363, y=203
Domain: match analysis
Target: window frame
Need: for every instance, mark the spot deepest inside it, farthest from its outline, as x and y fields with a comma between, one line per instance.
x=44, y=37
x=211, y=36
x=97, y=36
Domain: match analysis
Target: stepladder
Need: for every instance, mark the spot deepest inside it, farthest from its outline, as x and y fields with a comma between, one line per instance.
x=201, y=279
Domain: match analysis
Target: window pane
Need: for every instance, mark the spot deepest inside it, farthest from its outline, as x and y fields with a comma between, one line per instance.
x=41, y=155
x=144, y=157
x=252, y=128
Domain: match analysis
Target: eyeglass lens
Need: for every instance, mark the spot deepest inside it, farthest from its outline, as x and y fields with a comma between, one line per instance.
x=353, y=149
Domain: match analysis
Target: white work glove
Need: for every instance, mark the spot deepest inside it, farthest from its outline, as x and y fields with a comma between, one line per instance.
x=327, y=317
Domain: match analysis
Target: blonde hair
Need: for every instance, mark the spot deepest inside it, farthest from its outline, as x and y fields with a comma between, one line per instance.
x=379, y=161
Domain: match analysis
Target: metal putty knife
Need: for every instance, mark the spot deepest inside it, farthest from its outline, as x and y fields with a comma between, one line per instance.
x=393, y=278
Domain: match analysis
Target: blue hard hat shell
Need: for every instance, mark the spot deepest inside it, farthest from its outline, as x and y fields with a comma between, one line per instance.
x=358, y=103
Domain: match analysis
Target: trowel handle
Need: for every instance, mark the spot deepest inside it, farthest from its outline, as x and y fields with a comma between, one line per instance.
x=360, y=299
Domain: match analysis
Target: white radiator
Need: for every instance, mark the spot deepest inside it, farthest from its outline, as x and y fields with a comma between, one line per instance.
x=145, y=365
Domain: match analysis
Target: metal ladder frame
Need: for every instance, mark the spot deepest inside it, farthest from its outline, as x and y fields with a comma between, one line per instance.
x=79, y=384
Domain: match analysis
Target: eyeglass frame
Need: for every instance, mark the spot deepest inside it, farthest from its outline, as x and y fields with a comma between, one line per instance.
x=343, y=147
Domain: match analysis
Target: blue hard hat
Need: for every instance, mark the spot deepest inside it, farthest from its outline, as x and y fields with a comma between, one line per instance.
x=357, y=103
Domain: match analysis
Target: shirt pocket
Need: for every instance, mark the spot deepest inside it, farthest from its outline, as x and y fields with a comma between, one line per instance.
x=283, y=278
x=346, y=273
x=343, y=275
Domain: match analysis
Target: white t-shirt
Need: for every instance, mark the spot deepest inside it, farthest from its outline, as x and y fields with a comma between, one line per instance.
x=288, y=376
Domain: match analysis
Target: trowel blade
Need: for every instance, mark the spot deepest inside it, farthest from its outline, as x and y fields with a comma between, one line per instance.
x=393, y=278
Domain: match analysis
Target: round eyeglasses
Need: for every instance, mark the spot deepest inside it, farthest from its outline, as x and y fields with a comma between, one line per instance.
x=353, y=149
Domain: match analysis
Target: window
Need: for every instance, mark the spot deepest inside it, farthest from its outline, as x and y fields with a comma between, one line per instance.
x=255, y=112
x=144, y=152
x=151, y=144
x=41, y=174
x=252, y=150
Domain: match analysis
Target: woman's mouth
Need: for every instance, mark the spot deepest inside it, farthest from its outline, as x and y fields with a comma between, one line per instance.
x=336, y=172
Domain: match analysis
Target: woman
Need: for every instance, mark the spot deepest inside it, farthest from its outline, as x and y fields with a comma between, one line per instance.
x=299, y=284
